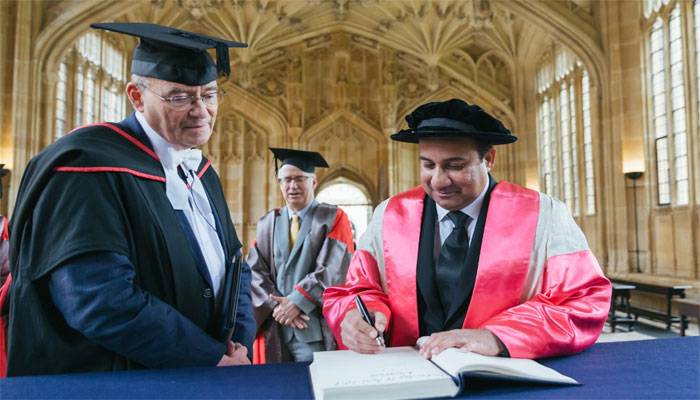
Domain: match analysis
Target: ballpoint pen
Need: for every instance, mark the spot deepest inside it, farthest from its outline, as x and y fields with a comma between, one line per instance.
x=368, y=319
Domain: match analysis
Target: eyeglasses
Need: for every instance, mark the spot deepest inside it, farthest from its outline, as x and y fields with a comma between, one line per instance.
x=182, y=102
x=296, y=179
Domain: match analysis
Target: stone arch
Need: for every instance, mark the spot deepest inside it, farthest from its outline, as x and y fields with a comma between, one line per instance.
x=350, y=174
x=328, y=120
x=576, y=39
x=61, y=33
x=467, y=59
x=358, y=212
x=485, y=62
x=508, y=60
x=251, y=105
x=50, y=45
x=363, y=151
x=501, y=56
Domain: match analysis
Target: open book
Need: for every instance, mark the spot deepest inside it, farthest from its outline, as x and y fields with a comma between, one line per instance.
x=402, y=373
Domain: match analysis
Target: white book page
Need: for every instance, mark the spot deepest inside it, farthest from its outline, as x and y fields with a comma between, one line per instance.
x=455, y=361
x=394, y=373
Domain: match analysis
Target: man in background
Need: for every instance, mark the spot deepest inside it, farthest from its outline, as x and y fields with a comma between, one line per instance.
x=299, y=251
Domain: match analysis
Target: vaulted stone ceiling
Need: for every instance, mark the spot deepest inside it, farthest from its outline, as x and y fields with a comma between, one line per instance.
x=318, y=73
x=376, y=58
x=366, y=44
x=338, y=76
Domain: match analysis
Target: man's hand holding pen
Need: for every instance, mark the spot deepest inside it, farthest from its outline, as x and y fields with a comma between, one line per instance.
x=358, y=335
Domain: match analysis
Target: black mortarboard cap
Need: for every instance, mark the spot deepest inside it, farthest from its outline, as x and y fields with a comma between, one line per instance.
x=304, y=160
x=175, y=55
x=453, y=118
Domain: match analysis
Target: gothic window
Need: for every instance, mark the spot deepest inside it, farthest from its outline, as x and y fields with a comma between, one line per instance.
x=90, y=84
x=587, y=144
x=61, y=106
x=668, y=52
x=545, y=151
x=350, y=197
x=565, y=132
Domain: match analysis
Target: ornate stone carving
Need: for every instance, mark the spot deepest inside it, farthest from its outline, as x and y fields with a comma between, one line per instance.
x=317, y=41
x=228, y=149
x=482, y=14
x=433, y=78
x=237, y=139
x=270, y=86
x=366, y=42
x=294, y=66
x=244, y=75
x=271, y=57
x=389, y=111
x=295, y=116
x=250, y=140
x=359, y=150
x=341, y=9
x=195, y=8
x=198, y=8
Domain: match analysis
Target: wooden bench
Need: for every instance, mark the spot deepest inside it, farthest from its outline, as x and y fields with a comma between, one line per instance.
x=620, y=300
x=666, y=289
x=687, y=308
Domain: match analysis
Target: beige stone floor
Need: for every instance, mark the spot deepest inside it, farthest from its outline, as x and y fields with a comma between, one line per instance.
x=644, y=329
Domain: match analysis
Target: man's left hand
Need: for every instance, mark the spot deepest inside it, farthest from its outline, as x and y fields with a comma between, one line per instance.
x=480, y=341
x=286, y=312
x=236, y=354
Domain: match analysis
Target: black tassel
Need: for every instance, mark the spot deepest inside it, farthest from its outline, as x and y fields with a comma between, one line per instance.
x=223, y=66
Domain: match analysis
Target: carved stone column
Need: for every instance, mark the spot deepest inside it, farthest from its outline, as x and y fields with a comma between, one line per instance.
x=5, y=104
x=295, y=94
x=26, y=138
x=389, y=176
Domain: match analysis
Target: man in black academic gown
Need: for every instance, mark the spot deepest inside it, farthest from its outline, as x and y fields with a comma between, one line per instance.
x=122, y=249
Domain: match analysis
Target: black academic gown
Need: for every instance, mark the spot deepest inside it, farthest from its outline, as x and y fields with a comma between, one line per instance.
x=97, y=191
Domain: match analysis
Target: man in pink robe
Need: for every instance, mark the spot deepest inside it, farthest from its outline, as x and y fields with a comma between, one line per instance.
x=466, y=261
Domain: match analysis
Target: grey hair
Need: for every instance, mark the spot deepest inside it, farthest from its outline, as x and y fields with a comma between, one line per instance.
x=307, y=174
x=140, y=81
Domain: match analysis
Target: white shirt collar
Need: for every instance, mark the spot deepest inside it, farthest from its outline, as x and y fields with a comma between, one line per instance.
x=472, y=209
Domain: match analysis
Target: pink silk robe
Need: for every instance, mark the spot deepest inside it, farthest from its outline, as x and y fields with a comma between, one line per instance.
x=538, y=286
